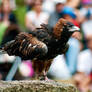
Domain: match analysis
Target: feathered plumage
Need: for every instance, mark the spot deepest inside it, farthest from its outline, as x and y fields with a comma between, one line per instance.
x=42, y=44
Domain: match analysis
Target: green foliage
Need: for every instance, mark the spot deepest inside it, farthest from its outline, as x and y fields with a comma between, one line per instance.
x=20, y=2
x=20, y=13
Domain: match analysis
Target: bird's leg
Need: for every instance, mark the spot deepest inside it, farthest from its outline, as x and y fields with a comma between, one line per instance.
x=45, y=77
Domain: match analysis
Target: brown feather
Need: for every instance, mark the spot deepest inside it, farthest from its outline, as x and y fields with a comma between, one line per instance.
x=58, y=28
x=40, y=66
x=28, y=43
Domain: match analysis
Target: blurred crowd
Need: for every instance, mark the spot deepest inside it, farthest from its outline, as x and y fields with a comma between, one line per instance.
x=76, y=64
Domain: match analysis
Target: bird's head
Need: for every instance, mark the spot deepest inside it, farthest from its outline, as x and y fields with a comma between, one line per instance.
x=63, y=26
x=71, y=27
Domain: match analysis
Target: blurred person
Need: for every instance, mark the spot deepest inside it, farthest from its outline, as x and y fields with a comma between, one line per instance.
x=72, y=54
x=6, y=25
x=58, y=69
x=56, y=15
x=73, y=4
x=3, y=26
x=86, y=15
x=7, y=19
x=84, y=59
x=83, y=82
x=8, y=15
x=48, y=6
x=11, y=32
x=8, y=34
x=36, y=17
x=13, y=4
x=67, y=62
x=65, y=66
x=71, y=61
x=86, y=29
x=29, y=4
x=1, y=13
x=69, y=14
x=86, y=10
x=84, y=67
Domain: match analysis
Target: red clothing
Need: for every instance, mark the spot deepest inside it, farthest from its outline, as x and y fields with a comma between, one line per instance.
x=91, y=75
x=75, y=23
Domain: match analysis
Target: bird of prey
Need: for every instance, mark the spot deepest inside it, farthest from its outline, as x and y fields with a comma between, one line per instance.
x=42, y=45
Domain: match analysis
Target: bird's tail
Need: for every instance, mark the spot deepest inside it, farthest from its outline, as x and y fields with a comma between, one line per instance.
x=5, y=47
x=2, y=51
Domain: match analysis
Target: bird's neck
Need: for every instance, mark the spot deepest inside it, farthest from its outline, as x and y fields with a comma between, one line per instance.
x=64, y=37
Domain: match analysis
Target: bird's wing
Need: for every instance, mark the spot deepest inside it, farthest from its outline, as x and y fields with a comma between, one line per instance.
x=26, y=45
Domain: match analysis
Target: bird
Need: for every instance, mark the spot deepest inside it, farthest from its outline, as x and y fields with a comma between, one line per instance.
x=42, y=45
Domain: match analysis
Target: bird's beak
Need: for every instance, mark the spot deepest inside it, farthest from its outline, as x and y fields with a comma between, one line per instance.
x=74, y=28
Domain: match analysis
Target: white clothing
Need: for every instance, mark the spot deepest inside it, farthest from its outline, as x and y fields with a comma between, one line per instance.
x=87, y=27
x=59, y=69
x=48, y=6
x=6, y=58
x=85, y=61
x=37, y=20
x=83, y=12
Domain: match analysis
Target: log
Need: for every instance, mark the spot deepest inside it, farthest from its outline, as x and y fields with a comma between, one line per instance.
x=35, y=86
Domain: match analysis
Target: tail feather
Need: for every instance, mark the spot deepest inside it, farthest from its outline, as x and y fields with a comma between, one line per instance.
x=8, y=43
x=3, y=49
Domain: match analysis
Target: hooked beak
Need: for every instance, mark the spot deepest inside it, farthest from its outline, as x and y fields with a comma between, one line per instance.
x=74, y=28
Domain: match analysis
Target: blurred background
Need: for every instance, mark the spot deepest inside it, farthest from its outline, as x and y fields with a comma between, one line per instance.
x=25, y=15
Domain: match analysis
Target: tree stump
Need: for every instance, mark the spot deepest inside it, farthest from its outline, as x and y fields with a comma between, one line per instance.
x=35, y=86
